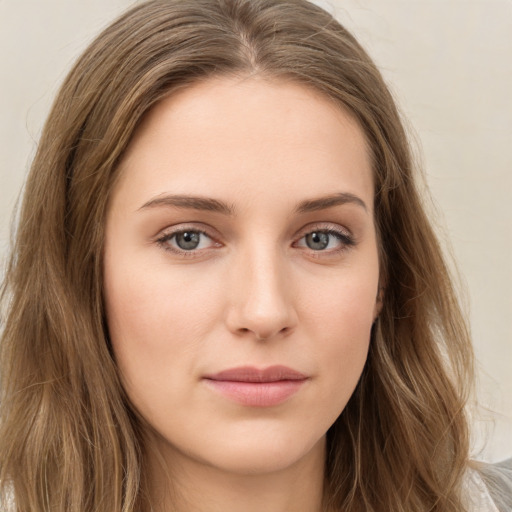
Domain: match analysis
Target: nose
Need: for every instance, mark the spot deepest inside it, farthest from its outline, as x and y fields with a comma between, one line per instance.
x=261, y=301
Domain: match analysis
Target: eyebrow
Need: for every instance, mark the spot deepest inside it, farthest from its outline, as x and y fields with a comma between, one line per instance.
x=191, y=203
x=323, y=203
x=214, y=205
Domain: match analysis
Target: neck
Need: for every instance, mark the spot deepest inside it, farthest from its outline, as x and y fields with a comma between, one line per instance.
x=181, y=484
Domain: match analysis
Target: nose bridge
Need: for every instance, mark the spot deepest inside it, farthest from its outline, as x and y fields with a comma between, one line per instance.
x=261, y=299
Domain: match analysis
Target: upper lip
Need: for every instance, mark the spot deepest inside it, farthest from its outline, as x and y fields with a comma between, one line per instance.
x=250, y=374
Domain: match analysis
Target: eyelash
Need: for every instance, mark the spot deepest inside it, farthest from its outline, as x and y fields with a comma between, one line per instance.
x=345, y=239
x=163, y=240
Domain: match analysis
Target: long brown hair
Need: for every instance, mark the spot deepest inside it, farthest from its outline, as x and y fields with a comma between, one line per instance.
x=69, y=440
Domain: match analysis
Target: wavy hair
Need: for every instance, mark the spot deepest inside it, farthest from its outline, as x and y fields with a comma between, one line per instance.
x=69, y=440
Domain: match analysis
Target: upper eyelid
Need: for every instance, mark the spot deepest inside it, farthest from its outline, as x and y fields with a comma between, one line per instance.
x=185, y=226
x=323, y=226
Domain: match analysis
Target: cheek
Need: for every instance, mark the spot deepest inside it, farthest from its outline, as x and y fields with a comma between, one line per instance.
x=340, y=317
x=149, y=302
x=157, y=320
x=342, y=305
x=344, y=356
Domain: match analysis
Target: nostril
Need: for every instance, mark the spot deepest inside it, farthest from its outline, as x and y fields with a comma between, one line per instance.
x=264, y=335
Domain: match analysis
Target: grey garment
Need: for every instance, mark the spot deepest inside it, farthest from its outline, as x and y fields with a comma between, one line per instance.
x=498, y=480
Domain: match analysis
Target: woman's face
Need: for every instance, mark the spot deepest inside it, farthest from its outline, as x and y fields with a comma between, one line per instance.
x=241, y=271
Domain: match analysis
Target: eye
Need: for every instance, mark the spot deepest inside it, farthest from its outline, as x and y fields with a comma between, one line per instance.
x=328, y=240
x=318, y=240
x=186, y=240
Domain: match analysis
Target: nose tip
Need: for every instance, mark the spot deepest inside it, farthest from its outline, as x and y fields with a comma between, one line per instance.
x=265, y=328
x=261, y=304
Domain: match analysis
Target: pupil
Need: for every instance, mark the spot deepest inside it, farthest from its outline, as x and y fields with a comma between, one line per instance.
x=317, y=240
x=187, y=240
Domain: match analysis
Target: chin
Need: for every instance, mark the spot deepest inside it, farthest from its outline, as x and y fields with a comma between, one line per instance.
x=257, y=453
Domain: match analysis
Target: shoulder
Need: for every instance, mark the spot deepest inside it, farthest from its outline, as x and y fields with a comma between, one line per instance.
x=489, y=487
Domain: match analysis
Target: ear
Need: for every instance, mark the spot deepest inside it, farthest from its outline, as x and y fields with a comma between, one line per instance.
x=379, y=301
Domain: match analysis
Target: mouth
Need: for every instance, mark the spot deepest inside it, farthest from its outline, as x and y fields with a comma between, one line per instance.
x=255, y=387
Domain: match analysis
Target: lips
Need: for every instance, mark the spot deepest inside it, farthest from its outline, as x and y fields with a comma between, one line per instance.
x=250, y=374
x=255, y=387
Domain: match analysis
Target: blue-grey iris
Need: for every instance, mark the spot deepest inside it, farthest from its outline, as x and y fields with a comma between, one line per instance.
x=317, y=240
x=188, y=240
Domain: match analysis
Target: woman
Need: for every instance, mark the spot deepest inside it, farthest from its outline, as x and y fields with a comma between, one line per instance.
x=225, y=293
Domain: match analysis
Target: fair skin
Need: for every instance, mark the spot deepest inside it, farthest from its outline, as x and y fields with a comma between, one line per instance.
x=241, y=234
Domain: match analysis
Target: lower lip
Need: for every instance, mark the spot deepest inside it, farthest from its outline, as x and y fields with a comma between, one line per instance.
x=257, y=394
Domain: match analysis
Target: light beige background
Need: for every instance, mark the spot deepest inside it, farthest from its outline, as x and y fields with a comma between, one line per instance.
x=449, y=63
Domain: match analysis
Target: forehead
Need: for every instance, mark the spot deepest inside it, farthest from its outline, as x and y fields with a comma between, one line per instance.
x=233, y=135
